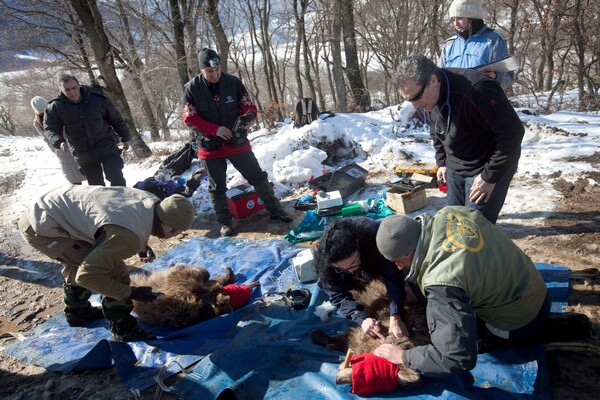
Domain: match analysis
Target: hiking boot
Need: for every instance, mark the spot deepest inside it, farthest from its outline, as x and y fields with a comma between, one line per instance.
x=135, y=335
x=79, y=317
x=226, y=230
x=127, y=330
x=280, y=215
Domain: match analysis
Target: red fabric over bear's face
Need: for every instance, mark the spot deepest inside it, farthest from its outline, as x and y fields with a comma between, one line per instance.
x=372, y=374
x=238, y=295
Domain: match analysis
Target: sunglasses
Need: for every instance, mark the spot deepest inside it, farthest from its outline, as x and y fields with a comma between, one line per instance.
x=417, y=95
x=349, y=268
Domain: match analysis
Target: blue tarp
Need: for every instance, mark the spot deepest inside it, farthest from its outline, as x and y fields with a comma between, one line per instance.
x=265, y=352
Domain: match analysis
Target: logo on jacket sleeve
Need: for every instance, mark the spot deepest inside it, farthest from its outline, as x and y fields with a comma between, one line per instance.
x=229, y=99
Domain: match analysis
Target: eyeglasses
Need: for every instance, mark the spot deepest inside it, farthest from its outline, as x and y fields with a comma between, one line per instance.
x=348, y=269
x=417, y=95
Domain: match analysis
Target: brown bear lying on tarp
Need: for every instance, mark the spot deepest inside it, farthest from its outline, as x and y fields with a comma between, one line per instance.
x=188, y=295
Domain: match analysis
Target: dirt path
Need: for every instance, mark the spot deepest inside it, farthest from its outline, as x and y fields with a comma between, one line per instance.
x=570, y=235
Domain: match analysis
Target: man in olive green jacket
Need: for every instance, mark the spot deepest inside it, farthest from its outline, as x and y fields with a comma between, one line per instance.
x=469, y=271
x=90, y=230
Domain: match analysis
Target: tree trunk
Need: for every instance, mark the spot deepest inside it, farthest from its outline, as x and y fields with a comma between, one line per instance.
x=179, y=41
x=300, y=29
x=212, y=10
x=135, y=67
x=87, y=11
x=336, y=56
x=362, y=99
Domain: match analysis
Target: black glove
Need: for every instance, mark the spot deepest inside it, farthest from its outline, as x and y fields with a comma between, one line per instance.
x=142, y=293
x=147, y=255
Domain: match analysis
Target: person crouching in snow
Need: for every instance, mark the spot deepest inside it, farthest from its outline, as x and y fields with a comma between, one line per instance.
x=90, y=230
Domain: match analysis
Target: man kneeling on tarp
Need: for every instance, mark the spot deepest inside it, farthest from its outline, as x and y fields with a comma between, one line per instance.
x=470, y=272
x=90, y=230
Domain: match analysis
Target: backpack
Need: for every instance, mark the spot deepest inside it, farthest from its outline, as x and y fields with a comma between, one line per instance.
x=162, y=190
x=306, y=112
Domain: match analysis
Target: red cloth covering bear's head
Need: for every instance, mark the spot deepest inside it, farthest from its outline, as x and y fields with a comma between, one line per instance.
x=372, y=374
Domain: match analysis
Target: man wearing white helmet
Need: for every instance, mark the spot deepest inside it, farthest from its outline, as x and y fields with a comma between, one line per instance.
x=474, y=44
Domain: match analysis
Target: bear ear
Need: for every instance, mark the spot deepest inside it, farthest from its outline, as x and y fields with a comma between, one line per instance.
x=222, y=304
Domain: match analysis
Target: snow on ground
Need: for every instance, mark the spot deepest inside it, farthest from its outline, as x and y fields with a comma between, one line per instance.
x=377, y=141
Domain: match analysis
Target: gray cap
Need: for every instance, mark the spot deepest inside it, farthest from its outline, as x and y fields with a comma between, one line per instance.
x=176, y=212
x=397, y=236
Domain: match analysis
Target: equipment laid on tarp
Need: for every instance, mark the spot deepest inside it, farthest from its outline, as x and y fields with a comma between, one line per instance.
x=346, y=180
x=304, y=266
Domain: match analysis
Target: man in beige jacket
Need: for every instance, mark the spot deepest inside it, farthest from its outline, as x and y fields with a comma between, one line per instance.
x=90, y=230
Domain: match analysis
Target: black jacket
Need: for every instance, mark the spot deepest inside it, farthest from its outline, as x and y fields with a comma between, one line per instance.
x=90, y=127
x=373, y=265
x=475, y=129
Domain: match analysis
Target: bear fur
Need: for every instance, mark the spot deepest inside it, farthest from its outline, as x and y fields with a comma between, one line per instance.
x=183, y=292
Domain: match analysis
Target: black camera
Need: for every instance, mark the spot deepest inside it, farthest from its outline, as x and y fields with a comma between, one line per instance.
x=240, y=133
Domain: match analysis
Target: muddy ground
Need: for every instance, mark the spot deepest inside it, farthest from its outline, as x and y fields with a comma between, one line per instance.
x=568, y=235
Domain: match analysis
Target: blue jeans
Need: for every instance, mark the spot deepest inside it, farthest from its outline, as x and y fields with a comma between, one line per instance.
x=459, y=188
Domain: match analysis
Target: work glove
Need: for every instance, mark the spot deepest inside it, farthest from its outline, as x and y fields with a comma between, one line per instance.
x=142, y=293
x=147, y=255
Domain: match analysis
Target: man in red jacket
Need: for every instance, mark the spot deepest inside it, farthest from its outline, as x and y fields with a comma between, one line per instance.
x=213, y=101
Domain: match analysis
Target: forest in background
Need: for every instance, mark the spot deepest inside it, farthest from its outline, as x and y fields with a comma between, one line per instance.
x=342, y=53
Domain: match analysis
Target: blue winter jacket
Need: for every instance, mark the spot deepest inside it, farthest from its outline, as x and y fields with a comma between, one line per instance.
x=483, y=47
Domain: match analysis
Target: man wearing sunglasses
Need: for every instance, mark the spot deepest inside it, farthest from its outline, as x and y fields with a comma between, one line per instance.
x=347, y=258
x=475, y=131
x=213, y=101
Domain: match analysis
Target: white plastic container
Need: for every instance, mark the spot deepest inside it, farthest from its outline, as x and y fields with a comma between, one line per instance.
x=304, y=265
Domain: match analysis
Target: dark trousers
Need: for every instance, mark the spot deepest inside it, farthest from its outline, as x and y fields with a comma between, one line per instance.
x=111, y=165
x=459, y=188
x=246, y=163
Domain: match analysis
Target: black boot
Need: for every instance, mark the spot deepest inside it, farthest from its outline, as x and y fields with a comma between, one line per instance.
x=128, y=330
x=264, y=190
x=78, y=309
x=219, y=203
x=122, y=324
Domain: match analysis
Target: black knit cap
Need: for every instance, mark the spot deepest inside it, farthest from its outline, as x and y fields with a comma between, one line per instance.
x=208, y=58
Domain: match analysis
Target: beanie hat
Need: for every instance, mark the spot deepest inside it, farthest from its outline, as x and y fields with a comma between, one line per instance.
x=397, y=235
x=208, y=58
x=466, y=9
x=38, y=103
x=176, y=212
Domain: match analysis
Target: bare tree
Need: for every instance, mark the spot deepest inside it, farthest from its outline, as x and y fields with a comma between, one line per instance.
x=362, y=98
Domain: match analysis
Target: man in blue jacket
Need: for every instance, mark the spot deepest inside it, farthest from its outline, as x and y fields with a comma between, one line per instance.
x=85, y=123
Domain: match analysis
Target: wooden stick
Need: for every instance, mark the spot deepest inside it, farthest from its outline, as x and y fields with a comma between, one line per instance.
x=349, y=354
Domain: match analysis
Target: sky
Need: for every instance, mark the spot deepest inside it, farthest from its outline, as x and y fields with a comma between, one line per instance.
x=377, y=141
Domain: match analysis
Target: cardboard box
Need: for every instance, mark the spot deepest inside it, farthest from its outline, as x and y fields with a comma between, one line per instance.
x=243, y=201
x=405, y=202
